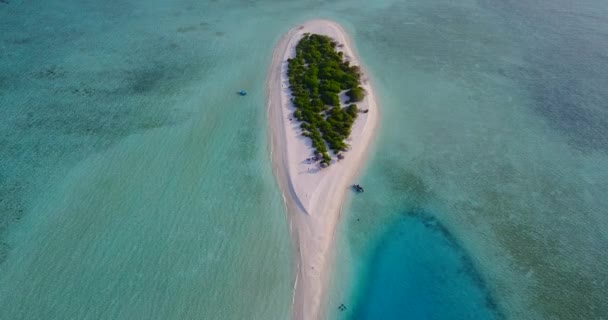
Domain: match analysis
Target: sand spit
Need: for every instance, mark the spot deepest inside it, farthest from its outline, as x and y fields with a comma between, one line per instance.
x=313, y=196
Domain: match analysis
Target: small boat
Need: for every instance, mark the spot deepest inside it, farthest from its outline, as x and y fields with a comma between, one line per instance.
x=358, y=188
x=243, y=92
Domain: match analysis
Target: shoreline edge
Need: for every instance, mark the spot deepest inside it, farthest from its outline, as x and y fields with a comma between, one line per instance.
x=313, y=197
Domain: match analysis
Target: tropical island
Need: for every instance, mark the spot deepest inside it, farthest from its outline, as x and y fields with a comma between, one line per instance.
x=318, y=74
x=315, y=78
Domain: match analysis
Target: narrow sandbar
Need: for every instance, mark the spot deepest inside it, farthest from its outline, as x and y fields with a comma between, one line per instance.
x=313, y=196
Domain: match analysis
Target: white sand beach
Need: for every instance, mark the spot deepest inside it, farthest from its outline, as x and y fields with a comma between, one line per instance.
x=313, y=196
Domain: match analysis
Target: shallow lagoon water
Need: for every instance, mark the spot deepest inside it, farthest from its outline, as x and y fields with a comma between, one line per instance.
x=482, y=103
x=136, y=184
x=136, y=180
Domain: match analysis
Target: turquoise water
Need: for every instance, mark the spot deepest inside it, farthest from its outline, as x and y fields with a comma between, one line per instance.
x=136, y=184
x=493, y=124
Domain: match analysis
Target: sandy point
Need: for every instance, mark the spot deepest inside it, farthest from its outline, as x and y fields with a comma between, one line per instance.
x=313, y=196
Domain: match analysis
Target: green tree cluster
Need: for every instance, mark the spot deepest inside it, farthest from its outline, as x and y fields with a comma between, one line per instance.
x=355, y=94
x=317, y=74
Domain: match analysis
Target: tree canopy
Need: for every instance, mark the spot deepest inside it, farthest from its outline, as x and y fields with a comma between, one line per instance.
x=317, y=75
x=355, y=94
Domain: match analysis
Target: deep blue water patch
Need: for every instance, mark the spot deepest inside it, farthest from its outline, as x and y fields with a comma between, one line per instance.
x=418, y=271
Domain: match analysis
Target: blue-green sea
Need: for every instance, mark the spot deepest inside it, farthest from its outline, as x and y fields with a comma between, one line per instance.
x=136, y=184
